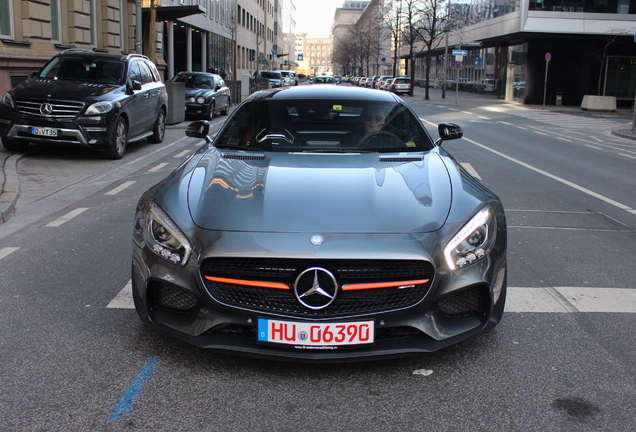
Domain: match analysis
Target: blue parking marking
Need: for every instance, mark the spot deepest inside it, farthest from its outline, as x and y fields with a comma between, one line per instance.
x=125, y=404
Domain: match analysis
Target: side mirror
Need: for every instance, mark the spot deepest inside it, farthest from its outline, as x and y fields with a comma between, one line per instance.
x=198, y=129
x=448, y=131
x=135, y=85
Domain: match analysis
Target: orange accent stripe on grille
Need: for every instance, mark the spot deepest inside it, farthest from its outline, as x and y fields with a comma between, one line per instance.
x=352, y=287
x=261, y=284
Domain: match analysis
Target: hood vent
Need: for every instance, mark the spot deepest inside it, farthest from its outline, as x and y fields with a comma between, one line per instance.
x=401, y=159
x=257, y=157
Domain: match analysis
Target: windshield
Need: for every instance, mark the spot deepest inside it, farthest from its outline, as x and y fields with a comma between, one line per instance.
x=324, y=126
x=195, y=81
x=86, y=69
x=271, y=75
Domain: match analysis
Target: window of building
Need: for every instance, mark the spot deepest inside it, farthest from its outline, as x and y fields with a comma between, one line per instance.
x=6, y=18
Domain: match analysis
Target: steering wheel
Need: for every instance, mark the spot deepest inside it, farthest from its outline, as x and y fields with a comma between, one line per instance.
x=395, y=141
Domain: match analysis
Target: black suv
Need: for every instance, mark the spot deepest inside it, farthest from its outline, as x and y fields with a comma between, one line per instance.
x=103, y=101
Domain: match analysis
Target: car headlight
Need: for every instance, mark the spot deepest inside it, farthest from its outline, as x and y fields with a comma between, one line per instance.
x=201, y=100
x=8, y=100
x=99, y=108
x=473, y=242
x=161, y=234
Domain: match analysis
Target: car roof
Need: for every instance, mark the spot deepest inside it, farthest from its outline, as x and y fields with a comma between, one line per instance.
x=326, y=92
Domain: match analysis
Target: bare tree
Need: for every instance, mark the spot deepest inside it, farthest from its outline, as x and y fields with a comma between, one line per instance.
x=411, y=32
x=432, y=26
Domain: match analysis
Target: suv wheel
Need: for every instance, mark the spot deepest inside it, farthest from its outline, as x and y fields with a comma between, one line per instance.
x=117, y=145
x=15, y=145
x=159, y=129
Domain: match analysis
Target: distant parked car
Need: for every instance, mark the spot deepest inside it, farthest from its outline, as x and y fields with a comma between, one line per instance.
x=401, y=85
x=325, y=80
x=387, y=84
x=275, y=78
x=205, y=94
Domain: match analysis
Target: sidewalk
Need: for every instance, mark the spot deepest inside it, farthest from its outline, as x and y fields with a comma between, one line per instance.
x=10, y=187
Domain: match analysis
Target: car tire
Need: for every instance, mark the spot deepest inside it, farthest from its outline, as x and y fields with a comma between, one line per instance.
x=210, y=116
x=159, y=129
x=224, y=111
x=15, y=145
x=118, y=140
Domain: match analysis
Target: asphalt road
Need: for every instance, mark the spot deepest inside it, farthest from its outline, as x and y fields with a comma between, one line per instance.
x=74, y=356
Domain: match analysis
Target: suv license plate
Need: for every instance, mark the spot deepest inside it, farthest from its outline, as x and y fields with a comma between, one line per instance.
x=44, y=131
x=303, y=334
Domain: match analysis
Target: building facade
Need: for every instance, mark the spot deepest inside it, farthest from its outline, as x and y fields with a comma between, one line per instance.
x=563, y=49
x=229, y=37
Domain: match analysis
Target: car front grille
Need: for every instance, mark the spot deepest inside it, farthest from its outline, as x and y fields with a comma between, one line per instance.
x=285, y=271
x=50, y=109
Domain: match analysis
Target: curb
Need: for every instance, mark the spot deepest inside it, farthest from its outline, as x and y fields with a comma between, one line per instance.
x=625, y=133
x=10, y=187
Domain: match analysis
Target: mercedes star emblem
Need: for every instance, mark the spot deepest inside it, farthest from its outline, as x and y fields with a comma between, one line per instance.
x=316, y=288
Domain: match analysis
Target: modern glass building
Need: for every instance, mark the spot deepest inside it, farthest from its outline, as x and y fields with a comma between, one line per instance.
x=585, y=46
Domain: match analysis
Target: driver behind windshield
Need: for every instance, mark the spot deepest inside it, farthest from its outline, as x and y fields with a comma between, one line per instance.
x=374, y=120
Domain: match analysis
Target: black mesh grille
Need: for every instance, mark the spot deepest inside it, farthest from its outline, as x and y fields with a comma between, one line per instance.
x=171, y=299
x=346, y=272
x=469, y=302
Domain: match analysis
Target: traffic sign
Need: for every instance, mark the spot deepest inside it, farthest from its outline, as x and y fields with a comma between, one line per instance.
x=458, y=65
x=471, y=44
x=548, y=57
x=460, y=52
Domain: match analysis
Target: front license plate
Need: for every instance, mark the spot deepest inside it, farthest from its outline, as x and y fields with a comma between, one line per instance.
x=304, y=334
x=44, y=131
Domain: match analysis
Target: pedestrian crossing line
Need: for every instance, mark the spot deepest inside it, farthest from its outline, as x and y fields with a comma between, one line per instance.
x=124, y=299
x=7, y=251
x=518, y=300
x=67, y=217
x=120, y=188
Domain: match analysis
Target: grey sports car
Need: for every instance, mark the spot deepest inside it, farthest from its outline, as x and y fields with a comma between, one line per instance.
x=322, y=223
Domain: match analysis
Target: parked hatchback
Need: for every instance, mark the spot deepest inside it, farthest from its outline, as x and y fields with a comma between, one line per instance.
x=401, y=85
x=103, y=101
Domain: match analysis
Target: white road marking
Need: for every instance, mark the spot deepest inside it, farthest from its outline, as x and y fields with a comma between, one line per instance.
x=472, y=171
x=594, y=147
x=626, y=155
x=564, y=139
x=182, y=154
x=553, y=177
x=571, y=299
x=67, y=217
x=123, y=300
x=6, y=251
x=540, y=133
x=158, y=167
x=519, y=300
x=120, y=188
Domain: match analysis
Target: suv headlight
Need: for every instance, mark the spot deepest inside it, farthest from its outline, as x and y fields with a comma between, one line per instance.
x=99, y=108
x=473, y=242
x=8, y=100
x=161, y=234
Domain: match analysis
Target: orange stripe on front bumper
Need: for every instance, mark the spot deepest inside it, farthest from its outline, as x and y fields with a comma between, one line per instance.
x=352, y=287
x=261, y=284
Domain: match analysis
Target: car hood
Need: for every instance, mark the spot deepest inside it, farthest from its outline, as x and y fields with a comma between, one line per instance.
x=192, y=92
x=45, y=88
x=319, y=193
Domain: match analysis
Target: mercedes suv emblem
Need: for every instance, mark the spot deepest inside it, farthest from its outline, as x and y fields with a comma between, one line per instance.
x=46, y=109
x=316, y=288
